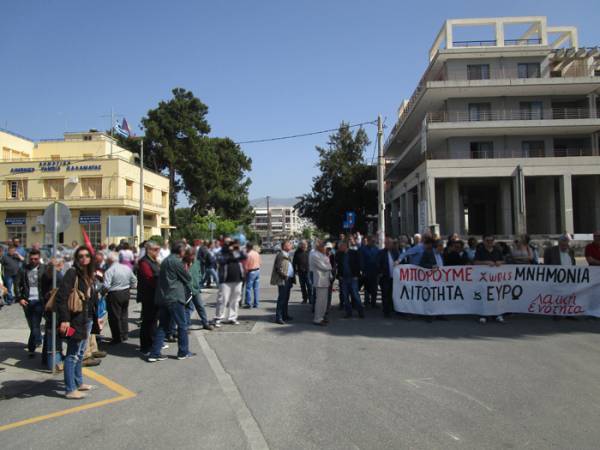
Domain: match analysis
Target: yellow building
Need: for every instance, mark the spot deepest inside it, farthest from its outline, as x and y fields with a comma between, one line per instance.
x=88, y=172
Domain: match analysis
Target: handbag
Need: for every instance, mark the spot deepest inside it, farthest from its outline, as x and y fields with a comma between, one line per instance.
x=76, y=298
x=51, y=300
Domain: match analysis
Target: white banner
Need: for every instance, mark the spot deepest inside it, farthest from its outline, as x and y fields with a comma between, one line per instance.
x=489, y=291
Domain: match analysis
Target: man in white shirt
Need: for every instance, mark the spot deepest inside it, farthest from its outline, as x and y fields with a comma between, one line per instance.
x=118, y=280
x=164, y=251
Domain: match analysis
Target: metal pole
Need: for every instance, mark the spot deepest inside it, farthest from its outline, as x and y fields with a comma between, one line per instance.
x=380, y=184
x=55, y=251
x=141, y=238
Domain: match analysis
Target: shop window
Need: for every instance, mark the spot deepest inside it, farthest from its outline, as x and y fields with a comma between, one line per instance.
x=16, y=189
x=54, y=188
x=16, y=227
x=94, y=231
x=91, y=187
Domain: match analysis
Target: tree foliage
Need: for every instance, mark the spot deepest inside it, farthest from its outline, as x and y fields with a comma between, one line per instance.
x=194, y=226
x=210, y=171
x=340, y=186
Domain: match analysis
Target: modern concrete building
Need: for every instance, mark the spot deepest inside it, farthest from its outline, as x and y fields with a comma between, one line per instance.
x=285, y=221
x=88, y=172
x=501, y=134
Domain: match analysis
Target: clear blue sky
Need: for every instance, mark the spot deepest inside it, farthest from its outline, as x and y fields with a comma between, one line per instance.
x=264, y=68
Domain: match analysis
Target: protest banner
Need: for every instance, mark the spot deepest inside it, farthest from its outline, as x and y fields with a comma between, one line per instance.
x=490, y=291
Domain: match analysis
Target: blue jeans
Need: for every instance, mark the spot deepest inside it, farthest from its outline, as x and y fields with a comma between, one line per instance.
x=9, y=281
x=33, y=313
x=349, y=292
x=175, y=311
x=210, y=275
x=198, y=304
x=252, y=285
x=283, y=298
x=72, y=366
x=306, y=287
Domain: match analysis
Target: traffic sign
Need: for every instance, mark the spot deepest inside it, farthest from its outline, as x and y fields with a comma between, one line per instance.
x=59, y=214
x=212, y=226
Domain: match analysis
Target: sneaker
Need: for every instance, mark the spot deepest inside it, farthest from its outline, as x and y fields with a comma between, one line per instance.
x=482, y=320
x=217, y=323
x=209, y=327
x=233, y=322
x=165, y=346
x=91, y=362
x=189, y=355
x=499, y=319
x=156, y=358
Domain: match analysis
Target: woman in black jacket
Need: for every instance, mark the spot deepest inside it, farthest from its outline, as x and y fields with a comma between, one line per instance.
x=80, y=324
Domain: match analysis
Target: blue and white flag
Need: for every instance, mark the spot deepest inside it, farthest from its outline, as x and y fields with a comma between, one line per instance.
x=123, y=129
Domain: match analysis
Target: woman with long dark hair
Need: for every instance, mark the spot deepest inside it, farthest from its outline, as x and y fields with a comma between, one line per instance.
x=77, y=326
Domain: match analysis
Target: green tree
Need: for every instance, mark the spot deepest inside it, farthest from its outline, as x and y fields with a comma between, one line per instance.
x=195, y=226
x=340, y=185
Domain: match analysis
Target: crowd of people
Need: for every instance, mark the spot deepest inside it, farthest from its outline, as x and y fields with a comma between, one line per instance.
x=94, y=286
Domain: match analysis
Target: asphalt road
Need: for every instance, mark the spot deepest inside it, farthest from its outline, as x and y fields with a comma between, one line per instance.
x=357, y=384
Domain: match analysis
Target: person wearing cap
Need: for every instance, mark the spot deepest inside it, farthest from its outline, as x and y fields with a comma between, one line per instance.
x=561, y=254
x=592, y=251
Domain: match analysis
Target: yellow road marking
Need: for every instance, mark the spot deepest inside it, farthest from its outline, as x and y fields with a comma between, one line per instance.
x=123, y=392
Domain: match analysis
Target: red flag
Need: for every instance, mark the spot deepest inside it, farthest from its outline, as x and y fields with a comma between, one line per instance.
x=86, y=240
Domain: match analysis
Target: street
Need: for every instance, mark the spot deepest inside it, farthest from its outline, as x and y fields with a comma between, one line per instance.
x=356, y=384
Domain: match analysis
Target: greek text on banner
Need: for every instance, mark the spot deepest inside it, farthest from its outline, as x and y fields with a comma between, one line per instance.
x=490, y=291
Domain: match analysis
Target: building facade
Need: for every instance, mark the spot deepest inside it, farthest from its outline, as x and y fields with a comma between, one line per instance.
x=89, y=173
x=284, y=223
x=501, y=134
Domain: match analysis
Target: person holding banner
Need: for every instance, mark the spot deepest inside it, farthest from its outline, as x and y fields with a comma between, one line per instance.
x=561, y=254
x=489, y=254
x=388, y=258
x=592, y=251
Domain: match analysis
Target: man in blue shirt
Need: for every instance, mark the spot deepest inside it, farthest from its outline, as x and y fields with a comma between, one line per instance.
x=348, y=264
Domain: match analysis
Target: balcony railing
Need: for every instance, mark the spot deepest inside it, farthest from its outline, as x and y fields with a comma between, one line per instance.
x=574, y=71
x=493, y=42
x=510, y=153
x=525, y=114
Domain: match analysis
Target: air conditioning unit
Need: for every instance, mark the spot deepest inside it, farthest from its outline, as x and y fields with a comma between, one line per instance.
x=36, y=229
x=73, y=180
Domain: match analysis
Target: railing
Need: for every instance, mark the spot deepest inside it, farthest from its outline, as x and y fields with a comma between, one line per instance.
x=485, y=116
x=493, y=42
x=527, y=41
x=509, y=153
x=505, y=73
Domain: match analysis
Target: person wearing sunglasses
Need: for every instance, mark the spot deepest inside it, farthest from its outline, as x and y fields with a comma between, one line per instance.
x=76, y=327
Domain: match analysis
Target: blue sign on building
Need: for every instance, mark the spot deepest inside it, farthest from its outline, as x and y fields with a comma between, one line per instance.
x=14, y=221
x=89, y=219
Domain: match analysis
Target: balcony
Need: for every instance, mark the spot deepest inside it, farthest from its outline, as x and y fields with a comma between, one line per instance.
x=493, y=42
x=503, y=115
x=82, y=201
x=509, y=153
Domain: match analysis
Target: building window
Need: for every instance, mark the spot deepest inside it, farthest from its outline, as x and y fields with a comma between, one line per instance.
x=533, y=149
x=16, y=189
x=87, y=137
x=164, y=199
x=16, y=228
x=531, y=110
x=478, y=72
x=480, y=111
x=91, y=187
x=55, y=157
x=129, y=189
x=54, y=188
x=529, y=70
x=482, y=150
x=6, y=153
x=94, y=232
x=147, y=194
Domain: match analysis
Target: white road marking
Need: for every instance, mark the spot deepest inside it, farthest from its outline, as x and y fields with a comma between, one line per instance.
x=453, y=436
x=248, y=424
x=431, y=382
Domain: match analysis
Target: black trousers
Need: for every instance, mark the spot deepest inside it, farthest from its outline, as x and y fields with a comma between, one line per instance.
x=371, y=289
x=387, y=287
x=149, y=323
x=117, y=304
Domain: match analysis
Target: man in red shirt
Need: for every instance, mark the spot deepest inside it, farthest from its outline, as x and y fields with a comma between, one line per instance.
x=592, y=251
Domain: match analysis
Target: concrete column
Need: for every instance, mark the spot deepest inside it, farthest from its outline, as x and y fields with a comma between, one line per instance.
x=453, y=207
x=431, y=211
x=449, y=37
x=499, y=33
x=566, y=204
x=592, y=105
x=519, y=206
x=506, y=212
x=410, y=218
x=394, y=212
